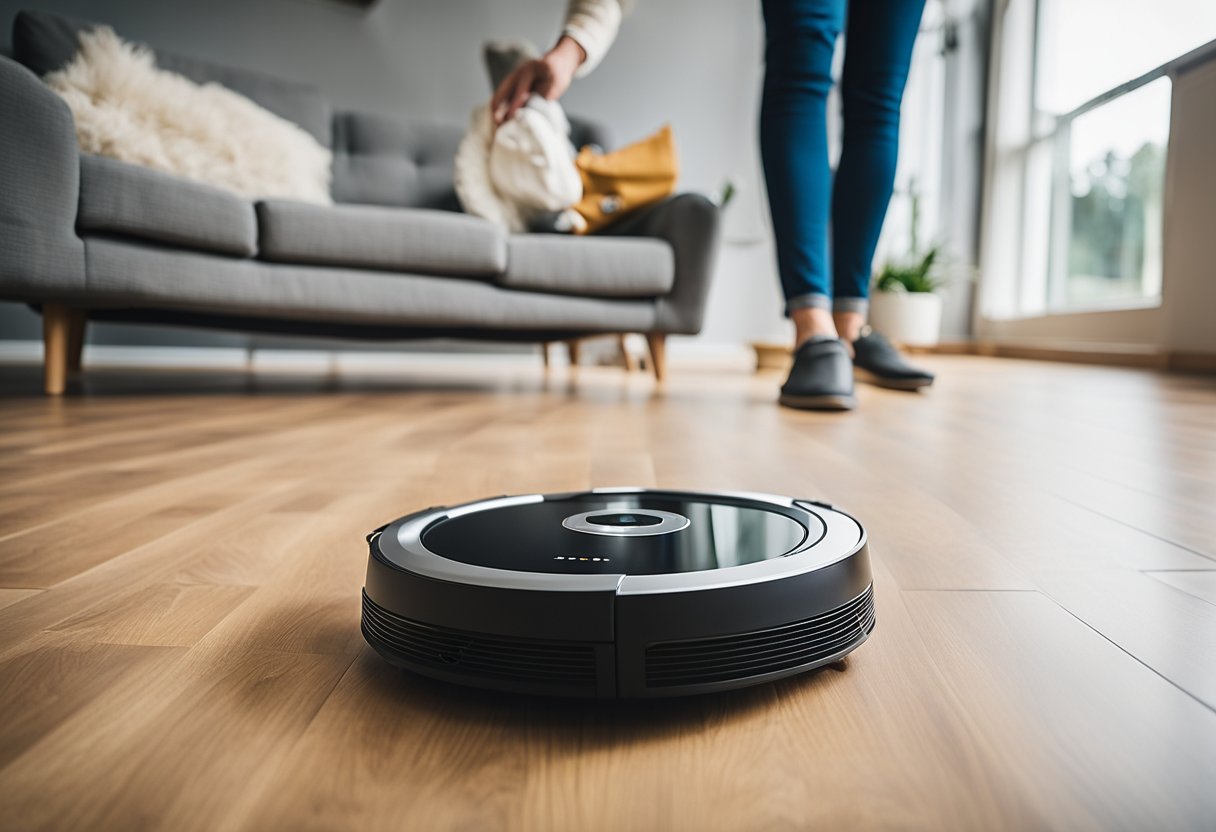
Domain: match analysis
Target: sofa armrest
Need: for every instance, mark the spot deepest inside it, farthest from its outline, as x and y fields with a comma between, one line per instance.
x=689, y=223
x=41, y=256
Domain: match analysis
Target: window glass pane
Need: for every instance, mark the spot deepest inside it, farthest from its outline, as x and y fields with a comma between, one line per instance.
x=1086, y=47
x=1116, y=177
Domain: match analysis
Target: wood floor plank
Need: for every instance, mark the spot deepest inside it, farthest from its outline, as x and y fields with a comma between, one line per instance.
x=88, y=537
x=187, y=765
x=195, y=662
x=167, y=614
x=1187, y=525
x=1046, y=693
x=1170, y=631
x=54, y=680
x=51, y=553
x=131, y=570
x=1201, y=584
x=1009, y=496
x=13, y=596
x=620, y=469
x=49, y=499
x=304, y=604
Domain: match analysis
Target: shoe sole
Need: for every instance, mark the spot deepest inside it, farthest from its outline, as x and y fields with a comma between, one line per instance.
x=818, y=402
x=890, y=383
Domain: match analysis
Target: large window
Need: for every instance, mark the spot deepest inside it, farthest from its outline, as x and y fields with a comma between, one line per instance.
x=1092, y=152
x=1106, y=218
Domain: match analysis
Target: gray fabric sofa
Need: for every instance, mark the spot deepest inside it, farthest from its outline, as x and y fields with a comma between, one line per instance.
x=84, y=237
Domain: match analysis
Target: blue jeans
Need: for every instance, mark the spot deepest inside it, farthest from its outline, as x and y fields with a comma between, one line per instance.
x=800, y=38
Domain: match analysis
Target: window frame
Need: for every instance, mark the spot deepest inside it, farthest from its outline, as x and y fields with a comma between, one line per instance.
x=1024, y=269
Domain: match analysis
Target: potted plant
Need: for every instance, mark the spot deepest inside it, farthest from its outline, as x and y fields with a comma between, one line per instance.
x=904, y=306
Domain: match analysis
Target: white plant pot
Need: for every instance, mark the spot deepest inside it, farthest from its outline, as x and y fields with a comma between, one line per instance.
x=913, y=319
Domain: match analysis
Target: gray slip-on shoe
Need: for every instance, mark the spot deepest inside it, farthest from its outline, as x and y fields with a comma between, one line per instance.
x=876, y=361
x=821, y=378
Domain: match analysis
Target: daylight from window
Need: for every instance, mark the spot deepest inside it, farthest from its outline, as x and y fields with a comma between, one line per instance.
x=1087, y=47
x=1106, y=221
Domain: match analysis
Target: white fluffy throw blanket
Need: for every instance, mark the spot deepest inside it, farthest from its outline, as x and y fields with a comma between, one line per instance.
x=128, y=109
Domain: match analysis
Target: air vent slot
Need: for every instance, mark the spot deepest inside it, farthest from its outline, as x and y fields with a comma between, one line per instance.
x=478, y=654
x=757, y=652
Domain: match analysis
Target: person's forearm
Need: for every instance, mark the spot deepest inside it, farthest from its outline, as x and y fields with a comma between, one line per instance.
x=567, y=53
x=593, y=25
x=590, y=28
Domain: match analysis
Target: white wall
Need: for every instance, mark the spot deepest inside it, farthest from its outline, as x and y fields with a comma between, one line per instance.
x=1188, y=321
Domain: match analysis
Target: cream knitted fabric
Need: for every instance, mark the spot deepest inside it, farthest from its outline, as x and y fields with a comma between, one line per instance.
x=522, y=170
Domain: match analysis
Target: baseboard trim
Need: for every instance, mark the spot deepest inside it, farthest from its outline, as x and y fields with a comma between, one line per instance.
x=1108, y=355
x=777, y=356
x=1192, y=362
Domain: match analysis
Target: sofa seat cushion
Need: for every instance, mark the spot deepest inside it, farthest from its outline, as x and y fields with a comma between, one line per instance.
x=142, y=276
x=134, y=201
x=415, y=240
x=610, y=267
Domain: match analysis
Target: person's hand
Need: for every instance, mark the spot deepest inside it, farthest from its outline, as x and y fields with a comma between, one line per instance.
x=549, y=76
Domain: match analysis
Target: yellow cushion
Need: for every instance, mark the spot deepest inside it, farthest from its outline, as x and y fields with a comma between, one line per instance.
x=627, y=179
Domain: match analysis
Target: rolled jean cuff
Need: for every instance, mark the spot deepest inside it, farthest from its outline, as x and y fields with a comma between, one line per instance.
x=811, y=300
x=859, y=305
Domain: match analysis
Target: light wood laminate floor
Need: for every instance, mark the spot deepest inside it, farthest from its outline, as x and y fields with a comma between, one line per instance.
x=181, y=556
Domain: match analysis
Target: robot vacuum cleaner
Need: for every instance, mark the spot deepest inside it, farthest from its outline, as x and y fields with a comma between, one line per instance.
x=619, y=592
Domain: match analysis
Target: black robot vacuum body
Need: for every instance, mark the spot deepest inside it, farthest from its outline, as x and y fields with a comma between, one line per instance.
x=619, y=592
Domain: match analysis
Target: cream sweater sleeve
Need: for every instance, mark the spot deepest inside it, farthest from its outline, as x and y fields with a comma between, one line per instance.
x=593, y=24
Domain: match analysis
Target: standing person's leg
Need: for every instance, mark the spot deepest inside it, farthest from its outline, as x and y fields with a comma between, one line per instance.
x=879, y=36
x=800, y=37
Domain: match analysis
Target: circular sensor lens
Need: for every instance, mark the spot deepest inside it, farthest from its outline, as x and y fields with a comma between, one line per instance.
x=624, y=520
x=635, y=523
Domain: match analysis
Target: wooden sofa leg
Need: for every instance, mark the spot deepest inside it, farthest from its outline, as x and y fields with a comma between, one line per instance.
x=657, y=342
x=572, y=351
x=56, y=335
x=544, y=353
x=627, y=358
x=77, y=325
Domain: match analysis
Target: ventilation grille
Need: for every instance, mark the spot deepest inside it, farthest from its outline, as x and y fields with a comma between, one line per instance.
x=745, y=655
x=478, y=654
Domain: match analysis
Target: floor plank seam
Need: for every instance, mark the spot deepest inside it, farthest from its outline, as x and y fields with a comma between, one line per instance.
x=1148, y=495
x=1129, y=654
x=1153, y=535
x=1152, y=569
x=962, y=589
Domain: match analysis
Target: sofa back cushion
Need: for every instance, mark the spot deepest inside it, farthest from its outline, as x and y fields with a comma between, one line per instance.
x=386, y=160
x=46, y=42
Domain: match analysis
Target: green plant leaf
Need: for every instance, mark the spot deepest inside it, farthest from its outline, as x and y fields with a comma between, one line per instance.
x=919, y=276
